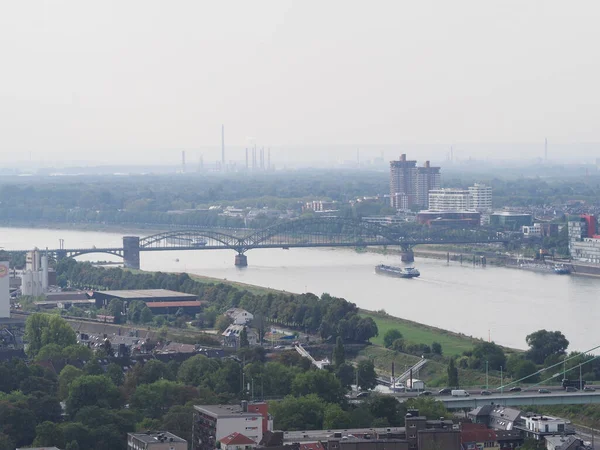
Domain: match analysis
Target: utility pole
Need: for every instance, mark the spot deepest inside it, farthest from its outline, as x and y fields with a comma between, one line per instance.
x=580, y=379
x=501, y=382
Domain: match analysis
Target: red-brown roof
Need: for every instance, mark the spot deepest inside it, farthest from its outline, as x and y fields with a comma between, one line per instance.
x=173, y=304
x=472, y=432
x=236, y=439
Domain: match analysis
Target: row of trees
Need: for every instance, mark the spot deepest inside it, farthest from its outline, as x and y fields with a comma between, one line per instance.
x=329, y=316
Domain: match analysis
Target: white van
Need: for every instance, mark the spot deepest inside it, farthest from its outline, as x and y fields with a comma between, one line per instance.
x=459, y=393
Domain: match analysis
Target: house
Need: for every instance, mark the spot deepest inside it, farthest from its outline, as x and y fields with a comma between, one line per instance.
x=239, y=316
x=231, y=336
x=237, y=441
x=563, y=443
x=213, y=422
x=496, y=417
x=539, y=426
x=475, y=436
x=155, y=440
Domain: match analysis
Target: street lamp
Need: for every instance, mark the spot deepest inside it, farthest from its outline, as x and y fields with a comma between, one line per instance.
x=501, y=382
x=487, y=384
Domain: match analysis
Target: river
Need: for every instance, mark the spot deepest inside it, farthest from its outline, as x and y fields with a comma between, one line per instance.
x=506, y=304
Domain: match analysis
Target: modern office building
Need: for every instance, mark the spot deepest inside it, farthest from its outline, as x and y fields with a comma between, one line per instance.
x=403, y=183
x=584, y=243
x=511, y=220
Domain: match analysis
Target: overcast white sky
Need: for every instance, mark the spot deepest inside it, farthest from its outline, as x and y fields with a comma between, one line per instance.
x=122, y=79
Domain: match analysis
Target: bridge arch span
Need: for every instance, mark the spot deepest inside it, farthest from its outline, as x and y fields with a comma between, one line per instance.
x=190, y=239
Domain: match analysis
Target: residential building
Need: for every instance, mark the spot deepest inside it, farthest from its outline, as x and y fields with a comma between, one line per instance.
x=386, y=220
x=475, y=436
x=539, y=426
x=321, y=206
x=231, y=336
x=509, y=439
x=449, y=200
x=213, y=422
x=533, y=231
x=584, y=243
x=155, y=440
x=495, y=417
x=403, y=183
x=239, y=316
x=369, y=444
x=480, y=197
x=447, y=439
x=237, y=441
x=563, y=443
x=428, y=179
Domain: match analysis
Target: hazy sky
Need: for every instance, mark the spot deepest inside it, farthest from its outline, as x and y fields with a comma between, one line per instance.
x=99, y=80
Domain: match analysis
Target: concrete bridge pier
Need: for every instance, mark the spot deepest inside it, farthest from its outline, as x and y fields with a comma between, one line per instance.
x=241, y=260
x=131, y=252
x=407, y=255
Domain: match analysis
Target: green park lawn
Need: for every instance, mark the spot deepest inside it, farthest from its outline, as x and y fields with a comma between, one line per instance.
x=452, y=343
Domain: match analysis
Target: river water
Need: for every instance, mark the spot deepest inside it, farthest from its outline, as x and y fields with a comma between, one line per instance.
x=506, y=304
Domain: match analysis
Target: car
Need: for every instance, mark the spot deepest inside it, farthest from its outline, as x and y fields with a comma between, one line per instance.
x=445, y=391
x=571, y=389
x=543, y=391
x=424, y=393
x=363, y=395
x=485, y=393
x=515, y=389
x=589, y=389
x=278, y=346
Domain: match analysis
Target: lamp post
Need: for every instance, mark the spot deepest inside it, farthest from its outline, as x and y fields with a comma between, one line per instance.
x=487, y=384
x=501, y=382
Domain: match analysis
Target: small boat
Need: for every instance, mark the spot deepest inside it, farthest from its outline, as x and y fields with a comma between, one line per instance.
x=561, y=269
x=398, y=272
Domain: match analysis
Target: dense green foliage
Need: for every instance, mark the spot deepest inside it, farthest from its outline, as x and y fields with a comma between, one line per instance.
x=543, y=344
x=329, y=316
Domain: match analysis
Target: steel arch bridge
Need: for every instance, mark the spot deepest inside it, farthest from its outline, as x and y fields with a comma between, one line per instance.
x=311, y=232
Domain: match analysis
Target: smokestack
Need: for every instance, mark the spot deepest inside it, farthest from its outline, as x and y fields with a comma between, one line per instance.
x=262, y=158
x=183, y=161
x=269, y=158
x=427, y=164
x=223, y=146
x=246, y=158
x=403, y=157
x=45, y=272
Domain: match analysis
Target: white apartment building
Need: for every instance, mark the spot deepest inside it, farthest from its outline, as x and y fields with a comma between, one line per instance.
x=449, y=200
x=480, y=197
x=476, y=198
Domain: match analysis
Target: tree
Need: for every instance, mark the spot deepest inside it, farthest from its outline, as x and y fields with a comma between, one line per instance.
x=155, y=370
x=78, y=351
x=44, y=329
x=146, y=315
x=490, y=352
x=367, y=377
x=299, y=413
x=244, y=338
x=73, y=445
x=388, y=408
x=436, y=348
x=345, y=373
x=67, y=375
x=155, y=399
x=116, y=308
x=115, y=373
x=90, y=390
x=544, y=343
x=334, y=417
x=222, y=323
x=6, y=443
x=339, y=354
x=390, y=336
x=48, y=434
x=525, y=368
x=452, y=374
x=319, y=382
x=50, y=352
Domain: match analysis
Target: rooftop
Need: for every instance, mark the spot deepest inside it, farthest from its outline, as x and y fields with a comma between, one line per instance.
x=182, y=304
x=157, y=436
x=146, y=294
x=236, y=439
x=225, y=410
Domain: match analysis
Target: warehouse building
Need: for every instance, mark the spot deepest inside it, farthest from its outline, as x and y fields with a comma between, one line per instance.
x=103, y=298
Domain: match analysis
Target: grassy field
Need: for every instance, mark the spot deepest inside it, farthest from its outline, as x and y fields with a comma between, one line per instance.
x=452, y=343
x=257, y=290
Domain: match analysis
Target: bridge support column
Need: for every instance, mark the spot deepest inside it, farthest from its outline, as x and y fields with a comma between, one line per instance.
x=131, y=252
x=407, y=255
x=241, y=260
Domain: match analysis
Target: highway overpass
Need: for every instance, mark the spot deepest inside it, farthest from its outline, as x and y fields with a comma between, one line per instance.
x=519, y=399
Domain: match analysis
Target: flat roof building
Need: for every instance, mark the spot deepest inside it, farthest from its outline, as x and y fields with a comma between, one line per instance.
x=103, y=298
x=155, y=440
